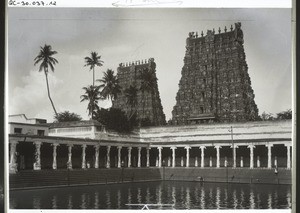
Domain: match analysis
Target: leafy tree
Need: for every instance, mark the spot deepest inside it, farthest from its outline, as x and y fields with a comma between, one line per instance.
x=285, y=115
x=92, y=95
x=93, y=61
x=148, y=85
x=67, y=116
x=115, y=119
x=45, y=57
x=131, y=96
x=267, y=116
x=110, y=85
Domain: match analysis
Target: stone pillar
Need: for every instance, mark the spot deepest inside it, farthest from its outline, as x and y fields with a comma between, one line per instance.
x=258, y=162
x=187, y=156
x=108, y=157
x=119, y=156
x=173, y=156
x=218, y=155
x=269, y=155
x=69, y=163
x=13, y=165
x=275, y=161
x=37, y=155
x=288, y=154
x=129, y=156
x=169, y=161
x=148, y=156
x=159, y=156
x=181, y=163
x=97, y=147
x=54, y=163
x=251, y=147
x=83, y=161
x=234, y=155
x=139, y=157
x=202, y=155
x=196, y=161
x=242, y=161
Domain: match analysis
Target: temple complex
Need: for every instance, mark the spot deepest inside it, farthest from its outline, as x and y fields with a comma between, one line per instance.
x=215, y=85
x=73, y=145
x=147, y=103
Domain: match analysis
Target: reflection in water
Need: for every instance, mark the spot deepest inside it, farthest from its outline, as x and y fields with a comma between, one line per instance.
x=202, y=200
x=211, y=204
x=36, y=202
x=188, y=198
x=218, y=198
x=251, y=199
x=119, y=198
x=70, y=203
x=196, y=195
x=174, y=195
x=235, y=200
x=139, y=198
x=288, y=199
x=270, y=201
x=226, y=197
x=108, y=202
x=184, y=195
x=96, y=204
x=12, y=204
x=129, y=197
x=242, y=197
x=159, y=194
x=258, y=201
x=83, y=201
x=275, y=198
x=54, y=202
x=148, y=195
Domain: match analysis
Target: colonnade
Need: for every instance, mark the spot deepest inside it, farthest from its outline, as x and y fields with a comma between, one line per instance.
x=172, y=163
x=234, y=147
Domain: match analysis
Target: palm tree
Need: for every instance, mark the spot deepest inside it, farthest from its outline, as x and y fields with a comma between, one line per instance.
x=110, y=85
x=92, y=95
x=93, y=61
x=131, y=95
x=46, y=59
x=148, y=84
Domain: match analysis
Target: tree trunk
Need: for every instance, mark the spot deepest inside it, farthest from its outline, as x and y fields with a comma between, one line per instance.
x=46, y=74
x=93, y=76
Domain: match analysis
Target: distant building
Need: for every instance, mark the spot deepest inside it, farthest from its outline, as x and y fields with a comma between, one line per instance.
x=148, y=104
x=77, y=129
x=20, y=124
x=215, y=84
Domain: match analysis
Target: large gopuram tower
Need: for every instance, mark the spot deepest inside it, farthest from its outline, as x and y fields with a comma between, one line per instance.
x=148, y=104
x=215, y=84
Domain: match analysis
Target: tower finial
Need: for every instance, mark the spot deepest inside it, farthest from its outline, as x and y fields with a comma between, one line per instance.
x=219, y=30
x=196, y=34
x=231, y=28
x=213, y=30
x=202, y=33
x=225, y=29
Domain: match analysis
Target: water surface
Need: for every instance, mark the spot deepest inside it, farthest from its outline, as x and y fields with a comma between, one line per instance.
x=184, y=195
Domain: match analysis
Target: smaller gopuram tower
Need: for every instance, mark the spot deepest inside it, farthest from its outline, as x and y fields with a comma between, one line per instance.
x=147, y=104
x=215, y=85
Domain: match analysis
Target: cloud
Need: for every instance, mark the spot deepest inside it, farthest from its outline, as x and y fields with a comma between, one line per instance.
x=32, y=98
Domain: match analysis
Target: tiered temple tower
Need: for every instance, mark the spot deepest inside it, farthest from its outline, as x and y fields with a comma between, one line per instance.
x=215, y=84
x=148, y=104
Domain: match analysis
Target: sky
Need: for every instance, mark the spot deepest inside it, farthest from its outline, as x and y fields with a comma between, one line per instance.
x=126, y=35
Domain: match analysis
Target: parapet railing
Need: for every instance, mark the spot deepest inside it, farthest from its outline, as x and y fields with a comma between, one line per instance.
x=231, y=179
